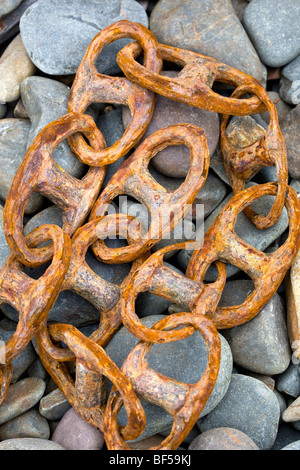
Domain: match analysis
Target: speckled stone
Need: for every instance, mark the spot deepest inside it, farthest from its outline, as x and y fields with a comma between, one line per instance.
x=21, y=396
x=29, y=443
x=73, y=433
x=54, y=405
x=223, y=439
x=68, y=28
x=29, y=424
x=293, y=446
x=249, y=406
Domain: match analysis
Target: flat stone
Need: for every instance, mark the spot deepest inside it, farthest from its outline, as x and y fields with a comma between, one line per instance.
x=10, y=23
x=206, y=27
x=15, y=66
x=29, y=424
x=13, y=146
x=289, y=88
x=273, y=28
x=8, y=5
x=29, y=443
x=54, y=405
x=289, y=129
x=68, y=29
x=174, y=161
x=249, y=406
x=223, y=439
x=184, y=361
x=245, y=230
x=21, y=396
x=46, y=100
x=288, y=381
x=73, y=433
x=25, y=358
x=260, y=345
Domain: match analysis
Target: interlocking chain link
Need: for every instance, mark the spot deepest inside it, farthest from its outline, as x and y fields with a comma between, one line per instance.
x=86, y=225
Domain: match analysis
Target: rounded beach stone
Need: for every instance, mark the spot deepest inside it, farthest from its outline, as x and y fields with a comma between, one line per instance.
x=292, y=446
x=288, y=381
x=54, y=405
x=223, y=439
x=29, y=443
x=56, y=34
x=273, y=28
x=10, y=23
x=290, y=132
x=21, y=396
x=7, y=6
x=289, y=88
x=207, y=27
x=29, y=424
x=73, y=433
x=174, y=161
x=249, y=406
x=184, y=361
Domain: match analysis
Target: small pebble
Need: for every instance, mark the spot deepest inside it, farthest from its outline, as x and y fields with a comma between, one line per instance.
x=28, y=424
x=289, y=381
x=54, y=405
x=223, y=439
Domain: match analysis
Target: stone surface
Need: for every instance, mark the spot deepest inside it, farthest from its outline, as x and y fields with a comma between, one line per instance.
x=46, y=100
x=58, y=47
x=29, y=424
x=29, y=443
x=174, y=161
x=10, y=24
x=21, y=396
x=223, y=439
x=73, y=433
x=282, y=108
x=289, y=129
x=54, y=405
x=249, y=406
x=288, y=381
x=206, y=27
x=245, y=230
x=7, y=6
x=184, y=361
x=13, y=146
x=273, y=28
x=260, y=345
x=293, y=446
x=243, y=131
x=292, y=412
x=290, y=82
x=4, y=248
x=15, y=66
x=285, y=436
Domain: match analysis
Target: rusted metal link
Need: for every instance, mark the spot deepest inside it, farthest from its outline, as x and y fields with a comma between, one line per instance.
x=241, y=164
x=133, y=178
x=90, y=86
x=38, y=172
x=194, y=83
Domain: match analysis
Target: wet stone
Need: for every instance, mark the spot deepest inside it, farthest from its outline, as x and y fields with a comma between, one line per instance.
x=54, y=405
x=260, y=345
x=210, y=28
x=29, y=443
x=29, y=424
x=290, y=82
x=223, y=439
x=68, y=29
x=184, y=361
x=273, y=28
x=21, y=396
x=73, y=433
x=249, y=406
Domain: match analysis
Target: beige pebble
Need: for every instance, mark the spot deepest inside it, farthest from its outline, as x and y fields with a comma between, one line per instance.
x=15, y=66
x=292, y=413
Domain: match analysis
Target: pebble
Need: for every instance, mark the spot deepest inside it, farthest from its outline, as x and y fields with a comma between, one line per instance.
x=293, y=446
x=223, y=438
x=20, y=111
x=29, y=443
x=208, y=28
x=249, y=406
x=273, y=28
x=8, y=5
x=21, y=397
x=288, y=381
x=10, y=24
x=244, y=131
x=292, y=412
x=54, y=405
x=148, y=443
x=29, y=424
x=282, y=107
x=15, y=66
x=69, y=27
x=189, y=355
x=289, y=129
x=245, y=230
x=289, y=87
x=285, y=436
x=13, y=146
x=37, y=369
x=46, y=100
x=260, y=345
x=174, y=161
x=73, y=433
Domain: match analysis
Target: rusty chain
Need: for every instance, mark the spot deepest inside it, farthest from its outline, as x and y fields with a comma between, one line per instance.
x=86, y=225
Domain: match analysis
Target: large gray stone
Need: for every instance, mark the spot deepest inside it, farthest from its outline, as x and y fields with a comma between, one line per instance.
x=207, y=27
x=184, y=361
x=272, y=26
x=56, y=34
x=249, y=406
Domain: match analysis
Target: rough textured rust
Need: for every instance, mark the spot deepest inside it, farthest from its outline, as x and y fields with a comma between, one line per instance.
x=79, y=364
